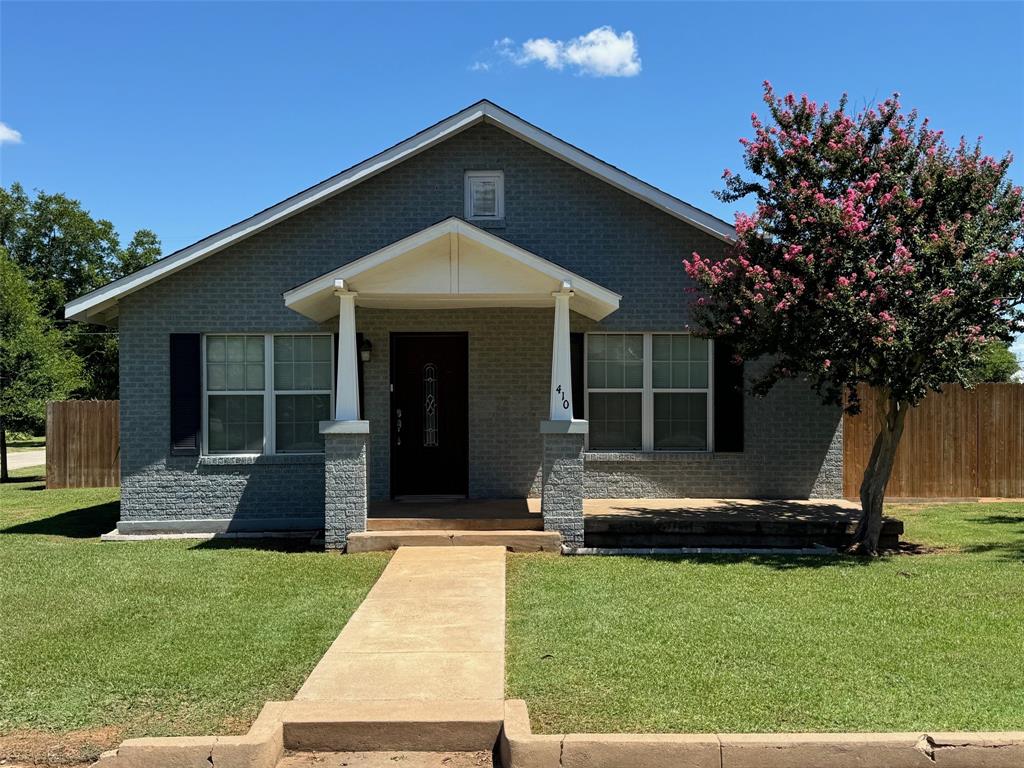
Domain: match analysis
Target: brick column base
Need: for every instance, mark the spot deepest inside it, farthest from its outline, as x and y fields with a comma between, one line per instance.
x=345, y=495
x=561, y=500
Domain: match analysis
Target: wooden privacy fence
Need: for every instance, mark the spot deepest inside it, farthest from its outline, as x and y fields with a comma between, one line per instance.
x=82, y=444
x=957, y=444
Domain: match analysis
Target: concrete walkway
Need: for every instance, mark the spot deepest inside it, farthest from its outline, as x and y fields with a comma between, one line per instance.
x=424, y=653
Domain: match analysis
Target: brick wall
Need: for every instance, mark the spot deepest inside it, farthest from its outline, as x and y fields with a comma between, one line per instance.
x=553, y=210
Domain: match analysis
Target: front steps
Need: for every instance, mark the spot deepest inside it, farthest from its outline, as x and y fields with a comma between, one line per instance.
x=392, y=726
x=513, y=540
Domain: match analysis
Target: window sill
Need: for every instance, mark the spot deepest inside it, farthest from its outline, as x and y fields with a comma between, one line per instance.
x=242, y=460
x=618, y=456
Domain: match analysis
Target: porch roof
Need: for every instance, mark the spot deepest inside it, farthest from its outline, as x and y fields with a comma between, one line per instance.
x=450, y=264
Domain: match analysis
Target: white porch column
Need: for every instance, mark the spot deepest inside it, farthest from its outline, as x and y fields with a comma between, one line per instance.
x=561, y=360
x=346, y=393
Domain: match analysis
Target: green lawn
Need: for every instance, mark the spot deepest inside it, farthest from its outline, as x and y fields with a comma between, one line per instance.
x=740, y=644
x=17, y=443
x=171, y=637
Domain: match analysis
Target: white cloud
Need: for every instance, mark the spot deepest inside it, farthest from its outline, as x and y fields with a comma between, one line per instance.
x=601, y=53
x=8, y=135
x=479, y=66
x=551, y=52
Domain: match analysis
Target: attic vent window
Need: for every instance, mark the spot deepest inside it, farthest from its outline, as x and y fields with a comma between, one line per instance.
x=485, y=195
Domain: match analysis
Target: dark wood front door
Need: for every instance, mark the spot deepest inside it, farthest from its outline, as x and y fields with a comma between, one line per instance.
x=429, y=414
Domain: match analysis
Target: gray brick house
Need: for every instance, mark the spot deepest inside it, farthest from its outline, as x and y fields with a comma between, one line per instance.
x=481, y=311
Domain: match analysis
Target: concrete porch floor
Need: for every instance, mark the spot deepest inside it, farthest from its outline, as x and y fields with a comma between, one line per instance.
x=658, y=523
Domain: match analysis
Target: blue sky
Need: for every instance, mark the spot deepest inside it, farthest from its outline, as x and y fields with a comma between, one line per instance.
x=185, y=118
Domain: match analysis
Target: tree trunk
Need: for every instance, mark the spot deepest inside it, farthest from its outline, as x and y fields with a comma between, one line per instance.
x=4, y=477
x=892, y=417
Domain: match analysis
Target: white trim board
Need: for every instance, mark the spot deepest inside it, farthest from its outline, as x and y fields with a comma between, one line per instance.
x=315, y=298
x=100, y=305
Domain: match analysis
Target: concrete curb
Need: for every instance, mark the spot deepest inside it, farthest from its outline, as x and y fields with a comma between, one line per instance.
x=520, y=748
x=261, y=747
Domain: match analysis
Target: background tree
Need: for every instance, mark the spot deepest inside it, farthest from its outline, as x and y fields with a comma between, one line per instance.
x=876, y=254
x=65, y=253
x=996, y=363
x=34, y=363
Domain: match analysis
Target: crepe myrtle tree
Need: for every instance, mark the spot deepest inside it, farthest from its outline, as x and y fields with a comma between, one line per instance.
x=876, y=255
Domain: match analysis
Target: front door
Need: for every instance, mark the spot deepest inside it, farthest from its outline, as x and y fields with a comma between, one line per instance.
x=429, y=414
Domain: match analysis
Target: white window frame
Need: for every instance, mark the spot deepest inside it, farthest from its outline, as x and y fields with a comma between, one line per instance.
x=648, y=392
x=499, y=202
x=268, y=392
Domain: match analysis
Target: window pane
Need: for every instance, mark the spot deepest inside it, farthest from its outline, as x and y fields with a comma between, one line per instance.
x=235, y=346
x=215, y=376
x=698, y=349
x=235, y=375
x=254, y=376
x=699, y=374
x=615, y=420
x=302, y=362
x=234, y=363
x=633, y=347
x=322, y=375
x=681, y=375
x=661, y=374
x=680, y=361
x=661, y=347
x=322, y=349
x=485, y=197
x=235, y=423
x=615, y=361
x=303, y=373
x=634, y=376
x=215, y=348
x=298, y=420
x=680, y=421
x=283, y=376
x=283, y=349
x=254, y=349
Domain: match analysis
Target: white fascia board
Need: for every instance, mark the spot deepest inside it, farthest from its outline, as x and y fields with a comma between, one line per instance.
x=91, y=304
x=580, y=284
x=609, y=173
x=88, y=305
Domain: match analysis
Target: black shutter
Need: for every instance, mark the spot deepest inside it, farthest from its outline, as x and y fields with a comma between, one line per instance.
x=728, y=404
x=359, y=372
x=576, y=371
x=186, y=394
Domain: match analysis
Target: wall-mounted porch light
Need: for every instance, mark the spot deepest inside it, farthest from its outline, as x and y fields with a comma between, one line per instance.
x=365, y=348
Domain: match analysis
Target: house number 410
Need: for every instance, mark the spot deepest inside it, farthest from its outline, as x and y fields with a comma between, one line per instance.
x=565, y=402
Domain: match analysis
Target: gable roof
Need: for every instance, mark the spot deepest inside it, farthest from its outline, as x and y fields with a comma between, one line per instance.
x=100, y=305
x=450, y=264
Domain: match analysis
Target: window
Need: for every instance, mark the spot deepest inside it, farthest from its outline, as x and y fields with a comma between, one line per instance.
x=235, y=387
x=302, y=392
x=252, y=410
x=485, y=195
x=648, y=391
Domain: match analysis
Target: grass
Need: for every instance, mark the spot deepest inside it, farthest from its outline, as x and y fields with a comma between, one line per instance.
x=19, y=443
x=154, y=638
x=754, y=644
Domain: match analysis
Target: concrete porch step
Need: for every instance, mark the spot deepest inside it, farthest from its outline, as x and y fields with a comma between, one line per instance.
x=514, y=540
x=531, y=523
x=392, y=725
